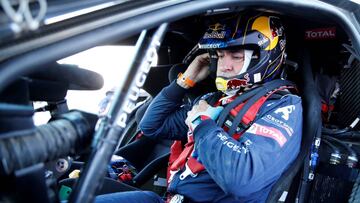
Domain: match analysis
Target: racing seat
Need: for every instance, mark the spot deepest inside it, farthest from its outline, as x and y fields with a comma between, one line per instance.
x=286, y=188
x=157, y=151
x=154, y=154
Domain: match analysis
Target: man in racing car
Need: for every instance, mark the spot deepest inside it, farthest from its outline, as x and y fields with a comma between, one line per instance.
x=240, y=139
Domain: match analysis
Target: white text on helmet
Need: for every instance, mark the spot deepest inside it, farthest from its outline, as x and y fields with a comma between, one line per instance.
x=215, y=35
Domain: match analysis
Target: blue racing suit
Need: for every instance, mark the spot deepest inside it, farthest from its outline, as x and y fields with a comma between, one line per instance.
x=241, y=170
x=236, y=170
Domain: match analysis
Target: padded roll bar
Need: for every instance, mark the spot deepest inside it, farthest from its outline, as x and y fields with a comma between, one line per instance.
x=67, y=135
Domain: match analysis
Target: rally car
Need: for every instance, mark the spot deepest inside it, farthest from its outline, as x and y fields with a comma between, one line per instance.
x=68, y=158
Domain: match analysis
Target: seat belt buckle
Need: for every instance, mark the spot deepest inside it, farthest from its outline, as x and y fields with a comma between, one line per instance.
x=187, y=172
x=177, y=199
x=172, y=173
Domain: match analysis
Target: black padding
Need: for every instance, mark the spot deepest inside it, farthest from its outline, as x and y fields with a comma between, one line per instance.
x=111, y=186
x=45, y=90
x=157, y=79
x=141, y=111
x=70, y=134
x=16, y=93
x=175, y=70
x=76, y=78
x=83, y=122
x=152, y=168
x=15, y=117
x=148, y=156
x=141, y=152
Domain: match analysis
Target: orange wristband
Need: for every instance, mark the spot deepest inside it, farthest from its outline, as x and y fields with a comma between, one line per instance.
x=186, y=80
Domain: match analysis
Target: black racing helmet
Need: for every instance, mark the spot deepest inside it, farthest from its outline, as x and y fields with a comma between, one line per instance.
x=263, y=39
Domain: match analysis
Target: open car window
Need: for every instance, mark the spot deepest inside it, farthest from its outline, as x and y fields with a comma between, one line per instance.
x=103, y=60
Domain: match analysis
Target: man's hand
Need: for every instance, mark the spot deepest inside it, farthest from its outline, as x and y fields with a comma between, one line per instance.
x=196, y=110
x=201, y=109
x=198, y=69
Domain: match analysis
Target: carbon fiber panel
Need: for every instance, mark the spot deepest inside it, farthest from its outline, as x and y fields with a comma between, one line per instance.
x=350, y=95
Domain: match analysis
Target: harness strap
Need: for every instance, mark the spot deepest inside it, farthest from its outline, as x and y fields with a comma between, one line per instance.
x=250, y=114
x=214, y=98
x=175, y=151
x=180, y=161
x=240, y=99
x=243, y=111
x=249, y=111
x=194, y=165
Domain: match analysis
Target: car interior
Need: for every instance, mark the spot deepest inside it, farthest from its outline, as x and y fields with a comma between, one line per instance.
x=37, y=163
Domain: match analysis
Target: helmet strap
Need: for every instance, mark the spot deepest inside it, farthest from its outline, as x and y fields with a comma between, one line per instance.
x=213, y=60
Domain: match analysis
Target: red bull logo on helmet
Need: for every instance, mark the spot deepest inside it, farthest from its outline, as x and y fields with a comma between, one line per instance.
x=224, y=84
x=216, y=31
x=237, y=83
x=214, y=35
x=217, y=27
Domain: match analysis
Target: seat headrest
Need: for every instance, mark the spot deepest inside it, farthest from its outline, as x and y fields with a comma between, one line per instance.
x=156, y=79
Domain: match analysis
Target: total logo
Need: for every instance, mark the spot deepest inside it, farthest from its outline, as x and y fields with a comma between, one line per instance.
x=320, y=33
x=267, y=131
